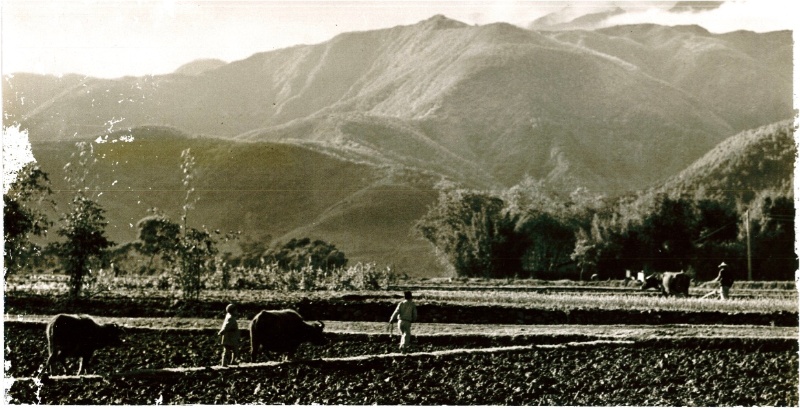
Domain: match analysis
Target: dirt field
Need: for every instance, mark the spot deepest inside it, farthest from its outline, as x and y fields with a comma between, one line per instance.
x=453, y=364
x=535, y=345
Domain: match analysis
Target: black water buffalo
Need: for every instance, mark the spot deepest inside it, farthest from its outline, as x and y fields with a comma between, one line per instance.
x=78, y=336
x=670, y=283
x=282, y=331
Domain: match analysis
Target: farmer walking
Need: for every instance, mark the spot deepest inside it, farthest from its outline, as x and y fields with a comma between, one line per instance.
x=725, y=279
x=230, y=335
x=406, y=312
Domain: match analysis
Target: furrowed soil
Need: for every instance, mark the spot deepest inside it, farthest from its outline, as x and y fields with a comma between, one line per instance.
x=682, y=368
x=589, y=376
x=466, y=354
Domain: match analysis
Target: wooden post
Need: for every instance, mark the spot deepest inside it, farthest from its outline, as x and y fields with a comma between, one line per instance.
x=749, y=258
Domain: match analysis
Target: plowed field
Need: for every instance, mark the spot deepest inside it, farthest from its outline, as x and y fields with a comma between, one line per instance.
x=660, y=365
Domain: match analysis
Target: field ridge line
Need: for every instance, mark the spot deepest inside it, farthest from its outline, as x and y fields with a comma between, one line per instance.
x=177, y=371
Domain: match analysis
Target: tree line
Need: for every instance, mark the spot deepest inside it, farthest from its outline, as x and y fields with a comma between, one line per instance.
x=188, y=253
x=530, y=232
x=524, y=231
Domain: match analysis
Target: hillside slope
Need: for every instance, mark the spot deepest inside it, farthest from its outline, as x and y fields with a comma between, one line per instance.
x=612, y=110
x=367, y=208
x=722, y=71
x=756, y=160
x=278, y=190
x=346, y=140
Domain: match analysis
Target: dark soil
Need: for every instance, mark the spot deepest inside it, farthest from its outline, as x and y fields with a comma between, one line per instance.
x=26, y=348
x=658, y=372
x=560, y=377
x=668, y=372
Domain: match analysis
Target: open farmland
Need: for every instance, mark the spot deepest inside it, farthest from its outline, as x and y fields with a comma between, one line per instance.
x=555, y=365
x=535, y=344
x=746, y=297
x=526, y=171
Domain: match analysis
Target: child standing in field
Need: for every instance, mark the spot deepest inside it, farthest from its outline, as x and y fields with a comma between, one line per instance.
x=230, y=335
x=406, y=312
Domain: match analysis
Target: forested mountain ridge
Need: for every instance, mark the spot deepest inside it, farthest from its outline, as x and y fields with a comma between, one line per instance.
x=690, y=58
x=741, y=167
x=279, y=191
x=352, y=140
x=612, y=109
x=271, y=192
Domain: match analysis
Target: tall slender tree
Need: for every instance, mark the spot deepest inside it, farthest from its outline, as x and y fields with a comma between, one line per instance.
x=83, y=226
x=195, y=248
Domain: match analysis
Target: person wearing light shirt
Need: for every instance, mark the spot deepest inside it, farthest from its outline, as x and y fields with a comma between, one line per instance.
x=406, y=312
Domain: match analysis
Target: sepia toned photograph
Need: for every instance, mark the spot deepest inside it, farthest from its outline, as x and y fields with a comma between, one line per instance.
x=399, y=202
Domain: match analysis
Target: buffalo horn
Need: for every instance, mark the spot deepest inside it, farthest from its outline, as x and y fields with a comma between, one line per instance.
x=321, y=325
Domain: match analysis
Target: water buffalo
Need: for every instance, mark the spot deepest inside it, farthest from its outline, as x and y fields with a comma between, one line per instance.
x=670, y=283
x=282, y=331
x=78, y=336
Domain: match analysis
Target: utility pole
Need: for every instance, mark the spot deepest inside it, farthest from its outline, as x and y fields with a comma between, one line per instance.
x=749, y=258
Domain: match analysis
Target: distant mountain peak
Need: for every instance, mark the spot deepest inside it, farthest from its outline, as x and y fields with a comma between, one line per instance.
x=441, y=22
x=694, y=29
x=198, y=67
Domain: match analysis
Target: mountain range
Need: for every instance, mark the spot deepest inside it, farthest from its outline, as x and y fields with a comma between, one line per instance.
x=350, y=140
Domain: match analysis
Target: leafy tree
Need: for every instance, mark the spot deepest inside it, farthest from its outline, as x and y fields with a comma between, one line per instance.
x=21, y=216
x=656, y=232
x=301, y=253
x=157, y=235
x=716, y=237
x=83, y=226
x=586, y=253
x=667, y=233
x=194, y=249
x=772, y=237
x=473, y=234
x=253, y=250
x=605, y=246
x=550, y=241
x=84, y=230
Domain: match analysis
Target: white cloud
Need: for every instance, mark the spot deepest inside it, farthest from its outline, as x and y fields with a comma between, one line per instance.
x=759, y=16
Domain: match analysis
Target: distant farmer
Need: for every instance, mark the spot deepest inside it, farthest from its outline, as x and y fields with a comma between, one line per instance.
x=230, y=335
x=725, y=279
x=406, y=311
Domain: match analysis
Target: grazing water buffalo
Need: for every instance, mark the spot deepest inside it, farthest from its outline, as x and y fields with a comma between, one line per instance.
x=78, y=336
x=670, y=283
x=282, y=331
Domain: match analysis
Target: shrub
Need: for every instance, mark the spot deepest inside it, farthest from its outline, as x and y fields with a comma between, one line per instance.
x=363, y=276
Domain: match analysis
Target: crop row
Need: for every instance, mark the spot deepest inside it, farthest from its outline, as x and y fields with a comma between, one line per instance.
x=649, y=375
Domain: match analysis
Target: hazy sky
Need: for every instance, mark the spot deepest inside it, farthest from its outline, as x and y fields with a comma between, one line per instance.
x=113, y=38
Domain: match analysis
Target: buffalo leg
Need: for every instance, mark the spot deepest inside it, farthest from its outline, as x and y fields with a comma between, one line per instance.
x=253, y=351
x=57, y=357
x=83, y=366
x=51, y=360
